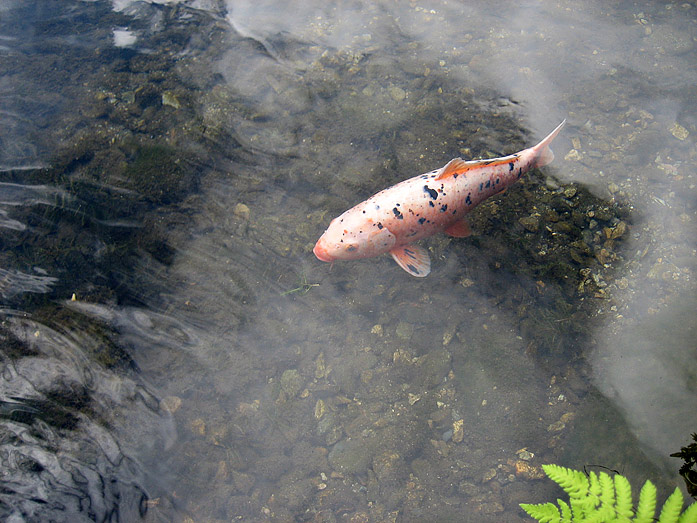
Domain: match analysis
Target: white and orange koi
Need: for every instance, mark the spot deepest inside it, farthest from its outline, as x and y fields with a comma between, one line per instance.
x=391, y=220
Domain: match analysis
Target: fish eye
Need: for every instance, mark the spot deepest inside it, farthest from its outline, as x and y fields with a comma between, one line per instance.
x=351, y=247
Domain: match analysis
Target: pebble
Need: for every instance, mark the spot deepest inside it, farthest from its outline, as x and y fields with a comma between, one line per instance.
x=489, y=475
x=241, y=211
x=570, y=192
x=458, y=430
x=404, y=330
x=612, y=233
x=291, y=382
x=679, y=131
x=531, y=223
x=525, y=470
x=320, y=409
x=525, y=454
x=170, y=404
x=397, y=93
x=413, y=398
x=556, y=426
x=320, y=367
x=572, y=155
x=169, y=98
x=198, y=426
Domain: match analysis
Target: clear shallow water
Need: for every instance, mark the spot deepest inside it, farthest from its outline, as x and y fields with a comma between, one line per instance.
x=209, y=367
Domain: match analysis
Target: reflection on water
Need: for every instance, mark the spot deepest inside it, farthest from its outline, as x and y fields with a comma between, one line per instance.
x=172, y=349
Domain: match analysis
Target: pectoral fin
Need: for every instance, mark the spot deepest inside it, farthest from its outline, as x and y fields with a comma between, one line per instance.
x=413, y=259
x=459, y=229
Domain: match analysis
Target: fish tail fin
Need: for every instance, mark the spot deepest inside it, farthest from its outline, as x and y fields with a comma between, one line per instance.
x=543, y=154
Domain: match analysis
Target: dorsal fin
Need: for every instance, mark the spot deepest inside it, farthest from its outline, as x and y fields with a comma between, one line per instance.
x=454, y=166
x=459, y=166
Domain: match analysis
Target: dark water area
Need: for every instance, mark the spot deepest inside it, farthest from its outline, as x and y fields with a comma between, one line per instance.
x=172, y=350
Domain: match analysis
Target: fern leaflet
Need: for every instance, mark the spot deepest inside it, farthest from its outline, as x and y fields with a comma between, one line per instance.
x=690, y=515
x=647, y=504
x=565, y=511
x=671, y=509
x=545, y=513
x=623, y=502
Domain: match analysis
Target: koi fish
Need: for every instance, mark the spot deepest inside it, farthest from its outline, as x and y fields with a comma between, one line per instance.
x=393, y=219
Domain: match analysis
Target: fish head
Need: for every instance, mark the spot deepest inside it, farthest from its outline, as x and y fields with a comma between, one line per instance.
x=353, y=235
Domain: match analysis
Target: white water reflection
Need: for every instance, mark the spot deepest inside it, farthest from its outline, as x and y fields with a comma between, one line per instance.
x=16, y=282
x=649, y=370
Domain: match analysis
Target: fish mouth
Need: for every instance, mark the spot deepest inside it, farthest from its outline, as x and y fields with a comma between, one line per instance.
x=322, y=253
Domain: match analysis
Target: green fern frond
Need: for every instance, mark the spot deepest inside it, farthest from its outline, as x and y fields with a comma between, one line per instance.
x=646, y=506
x=543, y=513
x=671, y=508
x=605, y=499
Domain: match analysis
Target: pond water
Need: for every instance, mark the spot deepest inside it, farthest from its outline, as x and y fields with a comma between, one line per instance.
x=171, y=348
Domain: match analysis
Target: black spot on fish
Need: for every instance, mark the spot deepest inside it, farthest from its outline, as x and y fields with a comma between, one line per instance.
x=455, y=211
x=410, y=254
x=433, y=194
x=481, y=186
x=422, y=220
x=497, y=181
x=363, y=212
x=455, y=176
x=520, y=172
x=424, y=177
x=510, y=166
x=431, y=204
x=468, y=200
x=413, y=269
x=444, y=208
x=488, y=184
x=379, y=226
x=377, y=207
x=397, y=213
